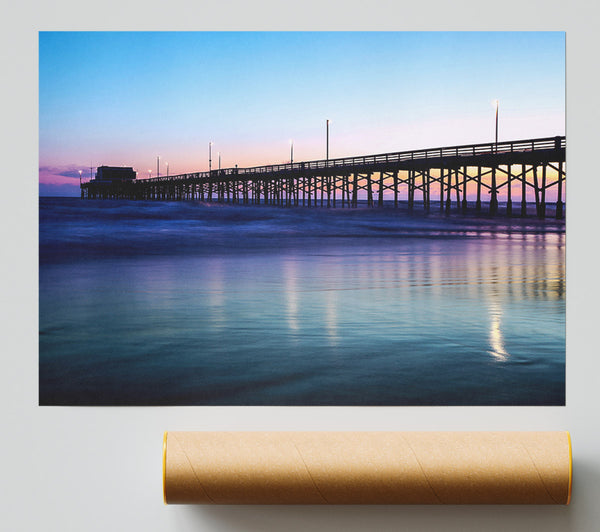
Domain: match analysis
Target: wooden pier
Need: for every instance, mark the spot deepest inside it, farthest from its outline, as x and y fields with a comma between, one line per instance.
x=510, y=174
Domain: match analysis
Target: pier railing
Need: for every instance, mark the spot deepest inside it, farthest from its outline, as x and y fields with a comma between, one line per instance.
x=466, y=150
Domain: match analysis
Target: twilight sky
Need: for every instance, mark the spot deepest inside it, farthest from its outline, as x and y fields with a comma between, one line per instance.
x=119, y=98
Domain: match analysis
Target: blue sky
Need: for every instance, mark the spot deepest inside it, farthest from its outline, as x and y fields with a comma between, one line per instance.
x=125, y=98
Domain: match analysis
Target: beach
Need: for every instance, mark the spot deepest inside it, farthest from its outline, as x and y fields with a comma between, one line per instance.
x=186, y=303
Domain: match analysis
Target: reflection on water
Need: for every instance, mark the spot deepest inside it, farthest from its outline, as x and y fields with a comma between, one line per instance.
x=215, y=294
x=497, y=349
x=291, y=294
x=404, y=321
x=331, y=317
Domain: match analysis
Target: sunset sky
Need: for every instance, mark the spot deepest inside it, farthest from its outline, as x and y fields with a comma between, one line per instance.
x=126, y=98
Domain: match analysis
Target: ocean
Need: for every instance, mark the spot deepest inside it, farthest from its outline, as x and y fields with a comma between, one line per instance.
x=186, y=303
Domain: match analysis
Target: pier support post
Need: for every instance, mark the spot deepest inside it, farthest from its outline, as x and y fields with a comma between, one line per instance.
x=441, y=189
x=543, y=198
x=334, y=186
x=348, y=199
x=303, y=181
x=457, y=186
x=478, y=203
x=464, y=198
x=449, y=191
x=537, y=190
x=424, y=174
x=509, y=192
x=321, y=187
x=427, y=192
x=494, y=194
x=410, y=191
x=523, y=190
x=559, y=202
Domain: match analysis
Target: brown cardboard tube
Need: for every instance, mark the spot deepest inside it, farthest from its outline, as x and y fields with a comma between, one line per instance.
x=367, y=467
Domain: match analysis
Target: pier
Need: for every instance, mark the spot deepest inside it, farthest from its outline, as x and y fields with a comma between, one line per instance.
x=511, y=174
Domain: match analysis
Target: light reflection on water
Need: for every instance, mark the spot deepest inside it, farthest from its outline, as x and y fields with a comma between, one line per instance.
x=331, y=318
x=498, y=351
x=289, y=275
x=396, y=321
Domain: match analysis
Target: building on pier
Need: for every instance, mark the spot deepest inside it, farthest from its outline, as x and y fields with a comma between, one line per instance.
x=115, y=174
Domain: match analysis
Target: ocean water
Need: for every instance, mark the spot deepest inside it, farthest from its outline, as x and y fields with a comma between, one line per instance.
x=184, y=303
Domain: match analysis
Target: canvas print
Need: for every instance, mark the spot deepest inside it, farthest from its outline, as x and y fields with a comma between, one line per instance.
x=302, y=218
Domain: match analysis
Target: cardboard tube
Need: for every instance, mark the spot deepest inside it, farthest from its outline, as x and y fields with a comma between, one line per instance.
x=367, y=467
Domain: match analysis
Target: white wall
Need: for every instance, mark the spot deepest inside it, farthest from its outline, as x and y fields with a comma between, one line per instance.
x=98, y=469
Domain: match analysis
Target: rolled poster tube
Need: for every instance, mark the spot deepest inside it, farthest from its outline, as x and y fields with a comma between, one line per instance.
x=367, y=468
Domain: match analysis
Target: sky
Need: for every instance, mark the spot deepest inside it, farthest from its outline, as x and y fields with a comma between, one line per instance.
x=126, y=98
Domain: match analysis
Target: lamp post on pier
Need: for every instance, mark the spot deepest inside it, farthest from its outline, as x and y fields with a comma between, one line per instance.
x=494, y=190
x=167, y=168
x=327, y=144
x=496, y=103
x=209, y=157
x=291, y=152
x=158, y=166
x=80, y=172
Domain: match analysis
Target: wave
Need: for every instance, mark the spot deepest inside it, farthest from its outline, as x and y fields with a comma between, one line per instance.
x=72, y=228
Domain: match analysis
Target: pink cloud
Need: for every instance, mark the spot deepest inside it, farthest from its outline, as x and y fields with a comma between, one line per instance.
x=60, y=175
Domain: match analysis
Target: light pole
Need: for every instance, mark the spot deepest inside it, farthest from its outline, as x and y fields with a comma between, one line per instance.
x=496, y=103
x=291, y=152
x=327, y=145
x=80, y=172
x=167, y=168
x=209, y=157
x=494, y=190
x=158, y=166
x=219, y=160
x=149, y=173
